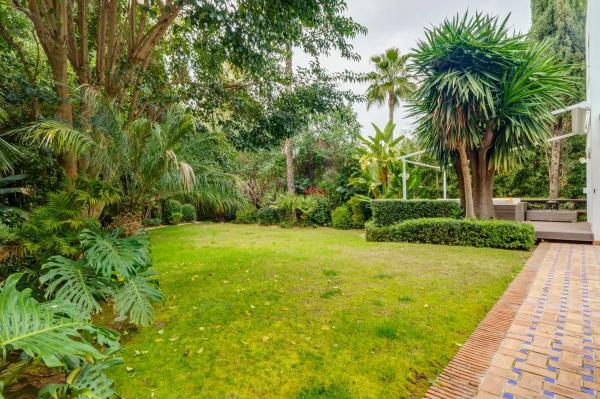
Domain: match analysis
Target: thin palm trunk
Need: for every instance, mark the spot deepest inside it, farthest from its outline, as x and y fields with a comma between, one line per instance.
x=391, y=105
x=289, y=162
x=287, y=144
x=466, y=174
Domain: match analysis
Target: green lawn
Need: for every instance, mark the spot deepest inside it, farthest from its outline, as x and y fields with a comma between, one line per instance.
x=263, y=312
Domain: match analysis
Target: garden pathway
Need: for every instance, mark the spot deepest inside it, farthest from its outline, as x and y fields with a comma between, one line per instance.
x=541, y=339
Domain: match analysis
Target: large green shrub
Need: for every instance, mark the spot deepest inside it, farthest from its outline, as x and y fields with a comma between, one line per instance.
x=188, y=213
x=172, y=207
x=246, y=215
x=360, y=209
x=391, y=211
x=151, y=222
x=443, y=231
x=341, y=218
x=175, y=218
x=319, y=214
x=268, y=216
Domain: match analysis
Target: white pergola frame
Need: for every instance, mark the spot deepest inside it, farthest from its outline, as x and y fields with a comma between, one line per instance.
x=405, y=161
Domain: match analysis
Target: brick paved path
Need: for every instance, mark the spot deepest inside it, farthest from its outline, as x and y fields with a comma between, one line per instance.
x=550, y=345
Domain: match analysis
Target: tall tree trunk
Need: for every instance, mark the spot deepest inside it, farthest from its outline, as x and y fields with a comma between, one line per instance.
x=287, y=144
x=461, y=182
x=475, y=178
x=554, y=169
x=64, y=109
x=51, y=28
x=289, y=162
x=486, y=191
x=391, y=105
x=466, y=173
x=483, y=174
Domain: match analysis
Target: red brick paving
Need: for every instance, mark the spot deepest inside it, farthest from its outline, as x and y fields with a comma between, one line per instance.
x=541, y=339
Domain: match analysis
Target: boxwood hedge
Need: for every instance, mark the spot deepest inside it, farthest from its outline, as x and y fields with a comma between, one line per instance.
x=391, y=211
x=444, y=231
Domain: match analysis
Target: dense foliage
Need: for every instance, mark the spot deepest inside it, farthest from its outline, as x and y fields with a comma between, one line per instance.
x=464, y=232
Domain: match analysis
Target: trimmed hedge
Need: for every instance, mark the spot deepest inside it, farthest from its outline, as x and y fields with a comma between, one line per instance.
x=188, y=213
x=341, y=218
x=473, y=233
x=391, y=211
x=268, y=216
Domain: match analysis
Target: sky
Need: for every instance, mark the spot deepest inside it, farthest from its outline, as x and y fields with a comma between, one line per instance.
x=400, y=23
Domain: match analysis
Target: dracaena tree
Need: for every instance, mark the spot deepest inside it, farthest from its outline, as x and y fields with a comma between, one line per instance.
x=485, y=97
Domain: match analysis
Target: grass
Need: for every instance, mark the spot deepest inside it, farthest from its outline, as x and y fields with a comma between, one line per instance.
x=262, y=312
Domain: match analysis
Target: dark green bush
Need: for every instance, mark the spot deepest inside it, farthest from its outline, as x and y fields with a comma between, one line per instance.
x=319, y=215
x=188, y=212
x=268, y=216
x=246, y=216
x=361, y=211
x=171, y=207
x=474, y=233
x=341, y=218
x=175, y=218
x=391, y=211
x=152, y=222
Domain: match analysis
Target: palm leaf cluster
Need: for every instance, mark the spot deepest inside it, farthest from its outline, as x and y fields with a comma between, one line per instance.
x=8, y=152
x=143, y=158
x=476, y=76
x=391, y=81
x=111, y=267
x=53, y=333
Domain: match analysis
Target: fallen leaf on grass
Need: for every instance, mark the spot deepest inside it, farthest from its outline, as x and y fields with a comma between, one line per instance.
x=265, y=338
x=173, y=339
x=199, y=351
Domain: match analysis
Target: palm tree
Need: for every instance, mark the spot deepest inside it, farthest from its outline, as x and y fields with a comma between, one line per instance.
x=485, y=97
x=141, y=157
x=390, y=82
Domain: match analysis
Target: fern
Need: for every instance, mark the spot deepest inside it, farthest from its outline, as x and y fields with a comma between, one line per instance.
x=108, y=254
x=136, y=297
x=74, y=282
